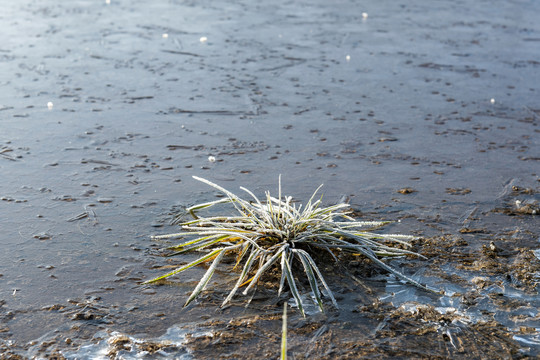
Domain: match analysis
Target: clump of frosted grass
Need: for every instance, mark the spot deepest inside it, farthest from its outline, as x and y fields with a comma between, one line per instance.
x=272, y=231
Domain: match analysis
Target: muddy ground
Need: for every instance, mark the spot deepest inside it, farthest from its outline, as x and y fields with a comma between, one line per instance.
x=423, y=113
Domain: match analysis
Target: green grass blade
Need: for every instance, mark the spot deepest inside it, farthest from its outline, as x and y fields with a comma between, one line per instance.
x=199, y=246
x=198, y=241
x=284, y=334
x=239, y=233
x=185, y=267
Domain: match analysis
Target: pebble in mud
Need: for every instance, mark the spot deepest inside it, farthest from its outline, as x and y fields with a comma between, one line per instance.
x=406, y=190
x=83, y=316
x=458, y=191
x=528, y=207
x=42, y=236
x=66, y=198
x=387, y=138
x=10, y=199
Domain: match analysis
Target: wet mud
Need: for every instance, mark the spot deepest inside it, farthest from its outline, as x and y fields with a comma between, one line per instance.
x=424, y=114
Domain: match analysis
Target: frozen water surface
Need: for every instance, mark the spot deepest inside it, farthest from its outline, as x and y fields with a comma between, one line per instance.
x=423, y=112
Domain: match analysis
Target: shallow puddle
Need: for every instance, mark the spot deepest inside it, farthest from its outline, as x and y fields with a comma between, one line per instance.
x=424, y=114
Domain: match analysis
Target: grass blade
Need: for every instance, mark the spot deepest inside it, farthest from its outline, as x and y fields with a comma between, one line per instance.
x=282, y=279
x=245, y=271
x=284, y=334
x=390, y=269
x=198, y=244
x=292, y=285
x=311, y=278
x=207, y=276
x=321, y=278
x=264, y=267
x=185, y=267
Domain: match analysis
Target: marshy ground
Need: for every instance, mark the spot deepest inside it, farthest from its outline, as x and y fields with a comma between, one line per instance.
x=423, y=113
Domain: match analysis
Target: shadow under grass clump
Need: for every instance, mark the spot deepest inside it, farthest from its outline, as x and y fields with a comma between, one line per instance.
x=272, y=231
